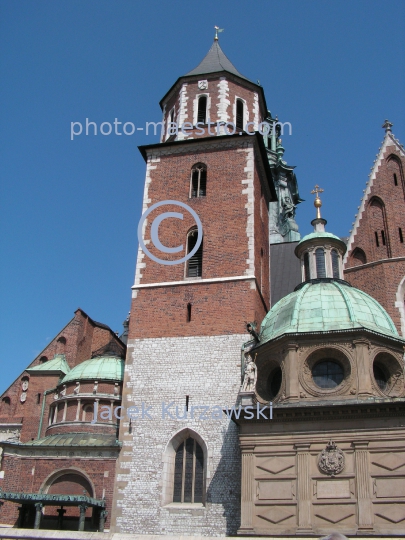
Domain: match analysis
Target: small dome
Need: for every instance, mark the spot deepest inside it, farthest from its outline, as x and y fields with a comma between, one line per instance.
x=319, y=234
x=101, y=368
x=324, y=306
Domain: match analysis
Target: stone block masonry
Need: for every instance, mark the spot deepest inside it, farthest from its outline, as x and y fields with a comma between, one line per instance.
x=208, y=370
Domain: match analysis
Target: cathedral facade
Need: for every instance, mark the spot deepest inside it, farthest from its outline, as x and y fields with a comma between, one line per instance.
x=258, y=387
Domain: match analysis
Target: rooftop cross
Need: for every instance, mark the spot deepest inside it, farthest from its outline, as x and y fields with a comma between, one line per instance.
x=387, y=125
x=217, y=30
x=317, y=202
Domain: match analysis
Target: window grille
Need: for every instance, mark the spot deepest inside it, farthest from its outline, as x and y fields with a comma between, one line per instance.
x=198, y=187
x=202, y=109
x=320, y=263
x=335, y=264
x=239, y=114
x=306, y=267
x=194, y=264
x=189, y=473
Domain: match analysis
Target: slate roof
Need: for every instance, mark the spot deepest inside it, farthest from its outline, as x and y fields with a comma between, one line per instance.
x=215, y=61
x=285, y=270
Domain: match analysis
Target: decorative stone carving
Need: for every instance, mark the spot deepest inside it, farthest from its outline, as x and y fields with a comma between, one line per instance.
x=23, y=397
x=63, y=391
x=24, y=386
x=331, y=460
x=95, y=387
x=202, y=85
x=76, y=389
x=250, y=378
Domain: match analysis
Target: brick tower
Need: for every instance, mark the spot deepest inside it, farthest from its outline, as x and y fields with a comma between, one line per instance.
x=179, y=472
x=375, y=259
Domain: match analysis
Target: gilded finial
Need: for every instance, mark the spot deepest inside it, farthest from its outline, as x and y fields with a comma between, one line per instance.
x=217, y=30
x=317, y=201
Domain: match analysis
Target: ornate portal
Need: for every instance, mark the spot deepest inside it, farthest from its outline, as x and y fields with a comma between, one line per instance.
x=331, y=460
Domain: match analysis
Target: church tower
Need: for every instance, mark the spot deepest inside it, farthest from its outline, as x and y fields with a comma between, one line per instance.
x=375, y=259
x=179, y=469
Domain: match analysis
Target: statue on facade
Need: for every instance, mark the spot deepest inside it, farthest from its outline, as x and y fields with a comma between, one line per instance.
x=250, y=377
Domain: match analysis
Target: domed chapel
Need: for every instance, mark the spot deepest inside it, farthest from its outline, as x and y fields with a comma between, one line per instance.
x=258, y=387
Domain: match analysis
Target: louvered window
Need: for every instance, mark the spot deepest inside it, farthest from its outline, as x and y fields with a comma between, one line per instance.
x=335, y=264
x=202, y=109
x=189, y=473
x=320, y=263
x=194, y=263
x=306, y=267
x=239, y=114
x=198, y=185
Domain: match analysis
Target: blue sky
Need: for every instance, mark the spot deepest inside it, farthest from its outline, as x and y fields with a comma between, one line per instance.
x=69, y=209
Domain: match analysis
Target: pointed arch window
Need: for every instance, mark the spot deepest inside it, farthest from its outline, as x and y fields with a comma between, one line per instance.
x=320, y=263
x=335, y=264
x=198, y=182
x=189, y=472
x=194, y=263
x=239, y=114
x=202, y=109
x=306, y=267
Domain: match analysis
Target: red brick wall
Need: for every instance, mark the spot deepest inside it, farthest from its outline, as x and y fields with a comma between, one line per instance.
x=28, y=474
x=217, y=308
x=384, y=211
x=242, y=90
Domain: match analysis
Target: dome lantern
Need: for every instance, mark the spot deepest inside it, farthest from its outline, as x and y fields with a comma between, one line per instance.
x=321, y=253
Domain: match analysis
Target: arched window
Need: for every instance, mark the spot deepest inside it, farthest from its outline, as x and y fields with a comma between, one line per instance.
x=189, y=472
x=335, y=264
x=358, y=256
x=320, y=263
x=61, y=345
x=5, y=405
x=202, y=109
x=306, y=266
x=43, y=359
x=88, y=413
x=378, y=223
x=198, y=182
x=194, y=263
x=239, y=114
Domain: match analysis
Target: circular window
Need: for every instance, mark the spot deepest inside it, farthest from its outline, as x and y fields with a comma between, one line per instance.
x=380, y=377
x=274, y=382
x=327, y=374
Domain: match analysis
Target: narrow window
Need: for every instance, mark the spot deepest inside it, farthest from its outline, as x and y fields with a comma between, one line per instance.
x=38, y=399
x=335, y=264
x=383, y=237
x=187, y=402
x=320, y=263
x=198, y=184
x=401, y=237
x=239, y=114
x=194, y=263
x=395, y=180
x=188, y=473
x=172, y=115
x=306, y=267
x=188, y=312
x=376, y=239
x=202, y=109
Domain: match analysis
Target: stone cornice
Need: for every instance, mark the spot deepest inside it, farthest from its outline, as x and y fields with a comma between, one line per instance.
x=373, y=263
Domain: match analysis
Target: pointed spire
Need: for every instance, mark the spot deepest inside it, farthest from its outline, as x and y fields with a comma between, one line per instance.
x=215, y=61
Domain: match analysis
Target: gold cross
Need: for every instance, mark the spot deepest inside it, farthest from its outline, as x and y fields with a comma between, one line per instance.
x=317, y=190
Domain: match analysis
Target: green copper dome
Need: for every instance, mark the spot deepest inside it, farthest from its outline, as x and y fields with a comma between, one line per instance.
x=101, y=368
x=323, y=307
x=319, y=234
